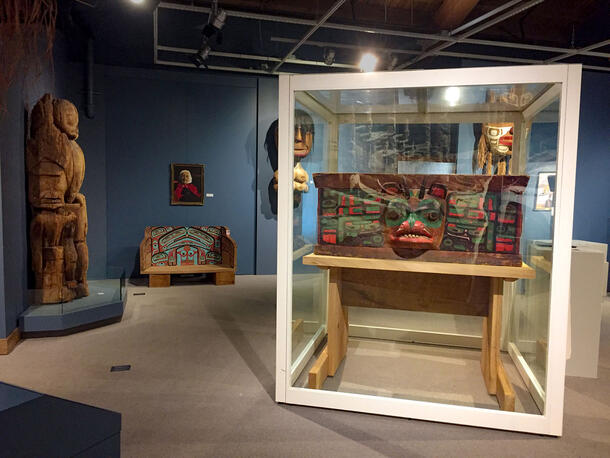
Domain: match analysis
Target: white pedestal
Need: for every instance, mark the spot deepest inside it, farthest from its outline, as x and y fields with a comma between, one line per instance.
x=587, y=291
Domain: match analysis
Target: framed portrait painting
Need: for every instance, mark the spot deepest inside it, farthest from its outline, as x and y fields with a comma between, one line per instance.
x=186, y=184
x=545, y=188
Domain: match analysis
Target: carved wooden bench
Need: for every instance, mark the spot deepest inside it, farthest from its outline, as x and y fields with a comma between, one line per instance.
x=168, y=250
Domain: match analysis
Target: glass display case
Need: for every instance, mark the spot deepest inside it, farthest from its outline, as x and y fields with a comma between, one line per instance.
x=424, y=243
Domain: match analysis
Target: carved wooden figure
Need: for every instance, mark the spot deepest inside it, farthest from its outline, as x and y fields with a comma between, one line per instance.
x=58, y=230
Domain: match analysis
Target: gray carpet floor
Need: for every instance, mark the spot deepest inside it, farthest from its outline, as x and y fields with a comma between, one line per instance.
x=202, y=384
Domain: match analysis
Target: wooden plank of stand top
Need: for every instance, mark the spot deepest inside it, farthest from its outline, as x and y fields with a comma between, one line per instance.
x=319, y=371
x=504, y=390
x=542, y=263
x=194, y=269
x=450, y=268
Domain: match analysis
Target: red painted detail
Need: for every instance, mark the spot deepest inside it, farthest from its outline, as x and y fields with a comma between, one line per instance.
x=490, y=205
x=506, y=221
x=355, y=211
x=329, y=214
x=492, y=216
x=330, y=238
x=461, y=215
x=438, y=191
x=341, y=211
x=504, y=247
x=451, y=225
x=476, y=214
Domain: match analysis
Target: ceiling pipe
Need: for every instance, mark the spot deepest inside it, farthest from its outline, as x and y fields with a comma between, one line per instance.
x=379, y=31
x=461, y=37
x=311, y=31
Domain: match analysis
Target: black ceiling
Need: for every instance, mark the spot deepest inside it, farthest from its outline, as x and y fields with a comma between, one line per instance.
x=123, y=32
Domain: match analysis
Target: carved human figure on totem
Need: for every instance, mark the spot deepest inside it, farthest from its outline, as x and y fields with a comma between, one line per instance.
x=58, y=230
x=303, y=142
x=495, y=148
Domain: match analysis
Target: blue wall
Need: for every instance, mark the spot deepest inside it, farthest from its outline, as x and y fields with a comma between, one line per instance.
x=266, y=218
x=154, y=118
x=15, y=227
x=592, y=198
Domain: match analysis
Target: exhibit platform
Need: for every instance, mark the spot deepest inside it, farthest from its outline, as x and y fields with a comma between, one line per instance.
x=34, y=424
x=104, y=305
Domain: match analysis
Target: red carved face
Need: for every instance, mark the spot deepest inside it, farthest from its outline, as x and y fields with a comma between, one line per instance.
x=416, y=221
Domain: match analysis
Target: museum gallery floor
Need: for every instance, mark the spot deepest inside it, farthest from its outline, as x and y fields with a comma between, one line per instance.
x=201, y=384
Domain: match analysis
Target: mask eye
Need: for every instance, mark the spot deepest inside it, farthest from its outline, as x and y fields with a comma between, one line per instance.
x=392, y=214
x=493, y=132
x=433, y=216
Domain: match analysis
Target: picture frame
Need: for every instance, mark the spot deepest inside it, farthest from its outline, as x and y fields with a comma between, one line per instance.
x=186, y=184
x=545, y=187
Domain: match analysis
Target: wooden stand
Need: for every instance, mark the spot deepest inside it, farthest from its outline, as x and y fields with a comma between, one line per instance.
x=463, y=289
x=160, y=276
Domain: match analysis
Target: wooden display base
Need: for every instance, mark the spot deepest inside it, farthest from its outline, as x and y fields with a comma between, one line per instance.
x=8, y=344
x=463, y=289
x=160, y=277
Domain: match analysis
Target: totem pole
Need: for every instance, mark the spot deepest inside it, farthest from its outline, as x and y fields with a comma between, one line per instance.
x=58, y=230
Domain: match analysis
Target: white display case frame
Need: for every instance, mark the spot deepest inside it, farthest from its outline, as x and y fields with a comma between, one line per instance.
x=551, y=421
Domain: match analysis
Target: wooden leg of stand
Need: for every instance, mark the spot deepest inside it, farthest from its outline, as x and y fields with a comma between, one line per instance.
x=492, y=327
x=159, y=281
x=337, y=322
x=504, y=390
x=224, y=278
x=319, y=371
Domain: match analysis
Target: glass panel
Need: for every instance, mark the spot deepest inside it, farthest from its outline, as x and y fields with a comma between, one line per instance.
x=309, y=283
x=528, y=341
x=410, y=209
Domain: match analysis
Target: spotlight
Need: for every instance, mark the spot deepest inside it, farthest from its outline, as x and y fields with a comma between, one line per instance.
x=368, y=62
x=137, y=2
x=329, y=56
x=452, y=95
x=201, y=56
x=216, y=21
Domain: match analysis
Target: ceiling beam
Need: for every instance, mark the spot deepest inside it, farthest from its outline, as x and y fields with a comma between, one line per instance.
x=485, y=25
x=311, y=31
x=232, y=55
x=578, y=51
x=329, y=44
x=378, y=30
x=453, y=12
